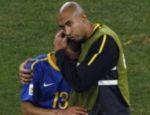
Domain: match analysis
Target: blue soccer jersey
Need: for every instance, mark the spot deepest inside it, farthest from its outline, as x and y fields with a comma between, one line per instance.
x=48, y=89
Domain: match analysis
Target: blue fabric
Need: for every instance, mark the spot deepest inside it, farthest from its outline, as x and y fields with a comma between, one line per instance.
x=47, y=84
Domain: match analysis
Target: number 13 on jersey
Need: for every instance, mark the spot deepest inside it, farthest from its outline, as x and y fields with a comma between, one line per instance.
x=61, y=100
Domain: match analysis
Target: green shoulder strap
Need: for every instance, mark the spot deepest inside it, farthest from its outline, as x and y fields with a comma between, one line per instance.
x=86, y=99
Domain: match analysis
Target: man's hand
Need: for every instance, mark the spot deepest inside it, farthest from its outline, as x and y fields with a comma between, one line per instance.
x=60, y=41
x=72, y=48
x=25, y=75
x=73, y=111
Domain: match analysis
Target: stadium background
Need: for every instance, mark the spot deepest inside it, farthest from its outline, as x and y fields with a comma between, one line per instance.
x=27, y=29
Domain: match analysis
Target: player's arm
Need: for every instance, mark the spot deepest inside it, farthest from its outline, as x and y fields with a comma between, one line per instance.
x=94, y=66
x=28, y=95
x=25, y=75
x=29, y=109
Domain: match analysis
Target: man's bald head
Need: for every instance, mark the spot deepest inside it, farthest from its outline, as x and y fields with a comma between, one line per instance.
x=72, y=7
x=73, y=21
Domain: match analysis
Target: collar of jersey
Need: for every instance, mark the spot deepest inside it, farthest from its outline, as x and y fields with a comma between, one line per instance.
x=51, y=62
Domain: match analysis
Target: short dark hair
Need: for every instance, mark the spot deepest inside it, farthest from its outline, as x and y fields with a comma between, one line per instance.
x=75, y=46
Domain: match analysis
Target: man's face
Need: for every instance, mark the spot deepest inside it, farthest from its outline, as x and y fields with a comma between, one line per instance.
x=72, y=25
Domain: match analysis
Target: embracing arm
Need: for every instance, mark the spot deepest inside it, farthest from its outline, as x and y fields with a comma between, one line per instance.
x=29, y=109
x=82, y=77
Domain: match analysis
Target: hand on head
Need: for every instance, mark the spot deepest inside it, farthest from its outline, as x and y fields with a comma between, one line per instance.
x=60, y=41
x=71, y=47
x=72, y=50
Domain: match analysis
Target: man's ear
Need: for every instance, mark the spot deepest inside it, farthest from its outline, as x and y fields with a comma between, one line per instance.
x=84, y=17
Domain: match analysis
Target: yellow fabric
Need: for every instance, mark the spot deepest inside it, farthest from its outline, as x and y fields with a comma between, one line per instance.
x=96, y=26
x=51, y=62
x=99, y=51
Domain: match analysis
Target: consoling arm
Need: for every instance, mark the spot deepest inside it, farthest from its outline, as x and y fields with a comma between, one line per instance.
x=29, y=109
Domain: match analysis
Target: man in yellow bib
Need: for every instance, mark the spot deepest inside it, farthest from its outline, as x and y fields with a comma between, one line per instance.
x=99, y=76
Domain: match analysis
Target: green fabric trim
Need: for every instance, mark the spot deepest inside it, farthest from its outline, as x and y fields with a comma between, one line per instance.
x=87, y=99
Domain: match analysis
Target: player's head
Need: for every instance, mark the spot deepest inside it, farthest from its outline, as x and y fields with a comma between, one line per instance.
x=71, y=47
x=74, y=22
x=60, y=41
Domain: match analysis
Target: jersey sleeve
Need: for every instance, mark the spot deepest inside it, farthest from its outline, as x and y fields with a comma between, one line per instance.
x=28, y=93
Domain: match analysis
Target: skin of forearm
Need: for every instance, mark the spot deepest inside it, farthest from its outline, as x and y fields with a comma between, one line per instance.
x=29, y=109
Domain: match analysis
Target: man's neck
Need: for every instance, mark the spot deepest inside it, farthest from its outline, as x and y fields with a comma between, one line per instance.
x=90, y=29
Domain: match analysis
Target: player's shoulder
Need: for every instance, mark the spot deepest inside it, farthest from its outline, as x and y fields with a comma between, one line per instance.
x=36, y=61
